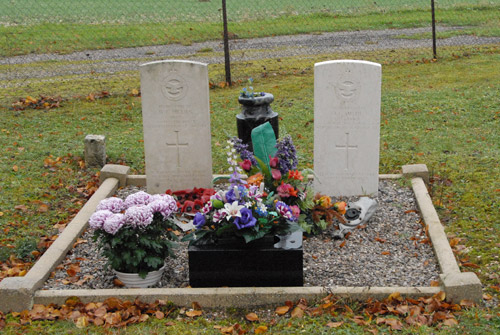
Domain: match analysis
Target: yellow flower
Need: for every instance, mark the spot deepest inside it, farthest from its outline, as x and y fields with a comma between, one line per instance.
x=325, y=201
x=340, y=207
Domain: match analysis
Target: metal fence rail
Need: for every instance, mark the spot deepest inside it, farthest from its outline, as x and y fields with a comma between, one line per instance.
x=48, y=42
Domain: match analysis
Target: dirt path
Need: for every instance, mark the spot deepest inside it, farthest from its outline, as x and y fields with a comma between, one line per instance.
x=129, y=59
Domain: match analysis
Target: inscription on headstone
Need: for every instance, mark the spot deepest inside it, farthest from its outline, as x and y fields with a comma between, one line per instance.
x=347, y=127
x=176, y=123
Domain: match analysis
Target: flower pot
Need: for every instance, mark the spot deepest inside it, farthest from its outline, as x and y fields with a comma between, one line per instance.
x=133, y=280
x=254, y=112
x=234, y=263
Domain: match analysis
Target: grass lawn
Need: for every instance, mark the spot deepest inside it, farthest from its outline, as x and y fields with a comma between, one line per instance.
x=31, y=12
x=52, y=27
x=444, y=114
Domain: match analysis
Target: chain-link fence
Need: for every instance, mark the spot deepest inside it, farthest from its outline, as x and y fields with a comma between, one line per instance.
x=76, y=47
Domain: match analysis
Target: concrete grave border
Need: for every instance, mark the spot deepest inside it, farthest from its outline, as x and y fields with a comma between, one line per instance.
x=20, y=293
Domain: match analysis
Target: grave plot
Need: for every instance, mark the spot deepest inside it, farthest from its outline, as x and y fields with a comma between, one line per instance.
x=391, y=250
x=178, y=155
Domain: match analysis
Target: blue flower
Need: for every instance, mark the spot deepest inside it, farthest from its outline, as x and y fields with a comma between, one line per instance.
x=231, y=196
x=199, y=220
x=245, y=220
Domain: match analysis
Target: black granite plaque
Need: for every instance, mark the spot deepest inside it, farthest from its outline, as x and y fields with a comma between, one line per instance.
x=234, y=263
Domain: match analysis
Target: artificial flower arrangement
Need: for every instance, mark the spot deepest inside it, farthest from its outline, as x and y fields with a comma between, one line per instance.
x=280, y=175
x=135, y=234
x=274, y=198
x=242, y=210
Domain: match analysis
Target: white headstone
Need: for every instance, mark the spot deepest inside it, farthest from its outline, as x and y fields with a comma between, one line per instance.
x=176, y=122
x=347, y=127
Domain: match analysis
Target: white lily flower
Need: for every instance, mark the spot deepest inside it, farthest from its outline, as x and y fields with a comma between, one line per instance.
x=233, y=210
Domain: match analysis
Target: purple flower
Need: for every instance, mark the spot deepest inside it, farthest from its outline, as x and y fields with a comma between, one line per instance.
x=242, y=150
x=138, y=198
x=199, y=220
x=97, y=219
x=139, y=216
x=113, y=204
x=287, y=154
x=113, y=223
x=236, y=178
x=245, y=220
x=231, y=196
x=284, y=210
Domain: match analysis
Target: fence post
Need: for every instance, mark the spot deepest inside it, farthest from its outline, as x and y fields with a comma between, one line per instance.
x=227, y=61
x=434, y=52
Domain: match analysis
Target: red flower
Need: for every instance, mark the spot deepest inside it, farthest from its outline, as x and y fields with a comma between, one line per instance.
x=198, y=205
x=188, y=207
x=295, y=174
x=209, y=191
x=246, y=165
x=292, y=191
x=273, y=162
x=276, y=174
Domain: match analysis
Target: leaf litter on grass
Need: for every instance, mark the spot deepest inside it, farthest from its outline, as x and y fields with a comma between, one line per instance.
x=395, y=312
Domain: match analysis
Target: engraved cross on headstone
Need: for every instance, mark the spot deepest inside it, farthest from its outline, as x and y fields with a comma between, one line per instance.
x=346, y=147
x=177, y=145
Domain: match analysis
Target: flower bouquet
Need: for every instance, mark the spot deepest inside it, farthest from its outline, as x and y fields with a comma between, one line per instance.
x=243, y=210
x=135, y=234
x=273, y=198
x=274, y=163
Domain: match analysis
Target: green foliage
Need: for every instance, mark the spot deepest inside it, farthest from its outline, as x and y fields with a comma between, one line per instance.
x=264, y=143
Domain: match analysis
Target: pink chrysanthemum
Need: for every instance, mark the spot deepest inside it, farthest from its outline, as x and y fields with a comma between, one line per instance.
x=113, y=204
x=113, y=223
x=162, y=207
x=139, y=216
x=138, y=198
x=172, y=204
x=97, y=219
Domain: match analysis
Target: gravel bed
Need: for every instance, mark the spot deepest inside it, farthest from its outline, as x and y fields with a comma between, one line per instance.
x=391, y=250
